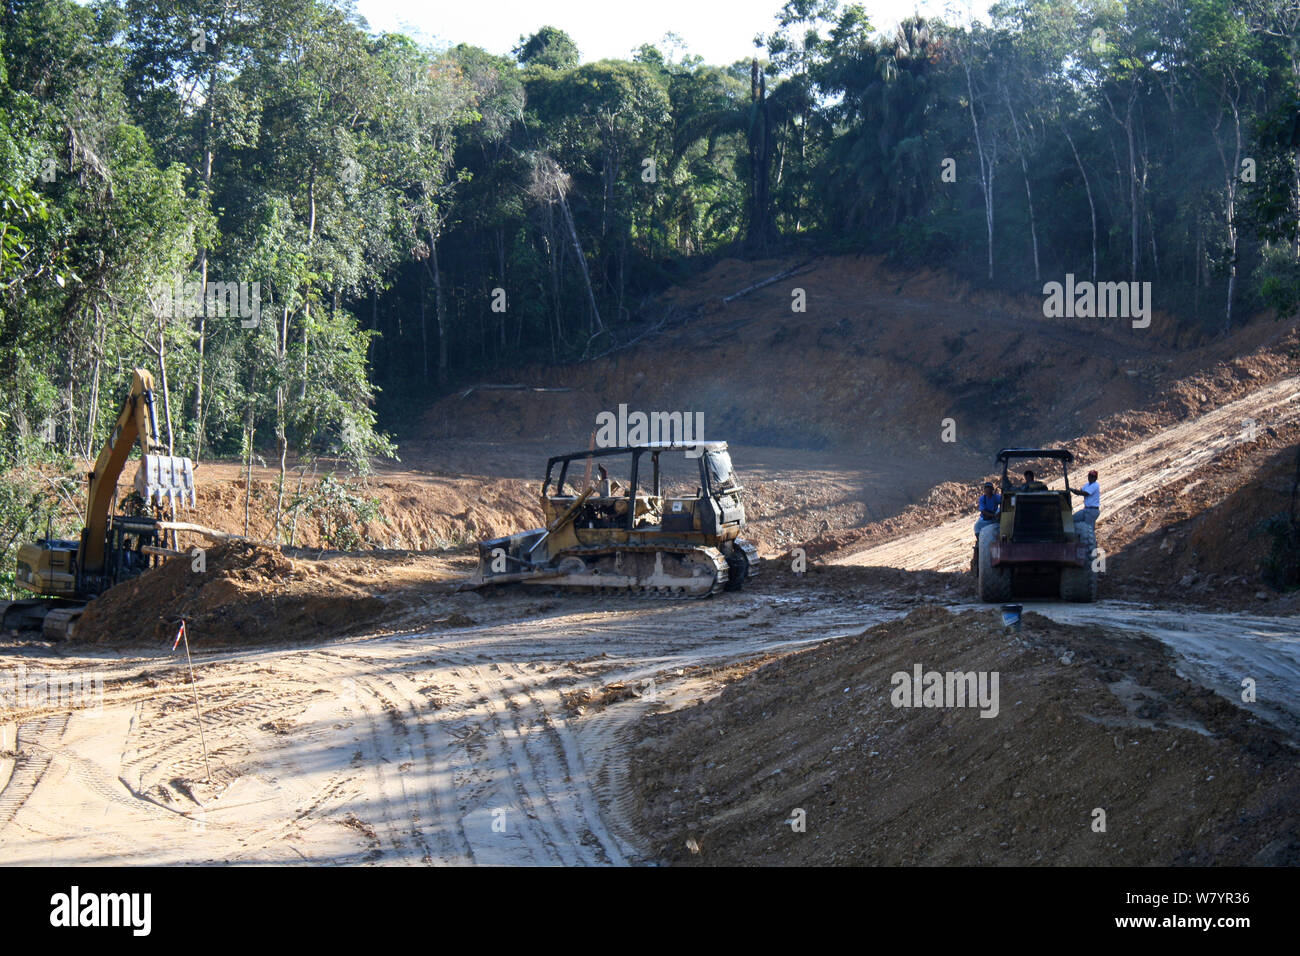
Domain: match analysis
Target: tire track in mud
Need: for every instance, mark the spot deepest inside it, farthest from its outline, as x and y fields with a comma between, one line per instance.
x=94, y=779
x=31, y=764
x=168, y=740
x=548, y=766
x=387, y=772
x=451, y=725
x=576, y=775
x=375, y=711
x=437, y=818
x=433, y=810
x=326, y=798
x=544, y=834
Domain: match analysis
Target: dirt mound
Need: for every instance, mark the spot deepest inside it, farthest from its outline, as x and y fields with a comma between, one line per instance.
x=245, y=593
x=807, y=760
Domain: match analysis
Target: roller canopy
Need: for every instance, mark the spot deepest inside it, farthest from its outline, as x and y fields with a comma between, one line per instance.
x=1060, y=454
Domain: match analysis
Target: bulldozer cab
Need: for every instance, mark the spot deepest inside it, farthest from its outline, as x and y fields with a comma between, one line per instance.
x=646, y=488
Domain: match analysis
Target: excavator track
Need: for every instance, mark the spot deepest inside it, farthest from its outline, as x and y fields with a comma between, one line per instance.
x=641, y=570
x=60, y=623
x=34, y=614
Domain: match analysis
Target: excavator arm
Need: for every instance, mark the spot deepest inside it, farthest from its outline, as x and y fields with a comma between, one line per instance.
x=160, y=476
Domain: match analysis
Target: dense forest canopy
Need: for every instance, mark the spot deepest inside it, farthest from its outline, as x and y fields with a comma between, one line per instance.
x=403, y=217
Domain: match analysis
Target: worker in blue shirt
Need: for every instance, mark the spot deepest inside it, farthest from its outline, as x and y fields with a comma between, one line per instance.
x=990, y=507
x=1091, y=495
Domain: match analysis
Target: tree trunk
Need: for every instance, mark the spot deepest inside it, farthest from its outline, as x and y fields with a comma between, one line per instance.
x=306, y=301
x=440, y=314
x=1029, y=195
x=249, y=432
x=167, y=396
x=209, y=125
x=986, y=167
x=501, y=278
x=582, y=264
x=760, y=148
x=279, y=488
x=424, y=335
x=282, y=353
x=92, y=418
x=1087, y=187
x=198, y=375
x=293, y=524
x=1132, y=193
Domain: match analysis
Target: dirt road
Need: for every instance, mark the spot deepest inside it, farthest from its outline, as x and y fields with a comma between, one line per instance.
x=441, y=747
x=1125, y=476
x=445, y=746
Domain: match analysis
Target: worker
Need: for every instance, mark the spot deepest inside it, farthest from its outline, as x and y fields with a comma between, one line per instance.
x=990, y=507
x=1091, y=495
x=1032, y=484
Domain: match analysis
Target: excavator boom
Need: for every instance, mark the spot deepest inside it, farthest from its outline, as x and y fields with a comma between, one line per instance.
x=161, y=477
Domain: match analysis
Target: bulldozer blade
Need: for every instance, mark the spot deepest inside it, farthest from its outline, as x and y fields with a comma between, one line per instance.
x=166, y=478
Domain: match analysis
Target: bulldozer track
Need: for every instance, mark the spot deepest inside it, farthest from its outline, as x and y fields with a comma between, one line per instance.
x=721, y=571
x=34, y=758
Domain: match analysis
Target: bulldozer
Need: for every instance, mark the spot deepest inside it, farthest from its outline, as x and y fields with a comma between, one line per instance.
x=1036, y=548
x=64, y=575
x=661, y=539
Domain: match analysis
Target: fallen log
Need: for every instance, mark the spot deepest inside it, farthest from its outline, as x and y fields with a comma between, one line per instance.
x=801, y=268
x=210, y=533
x=513, y=388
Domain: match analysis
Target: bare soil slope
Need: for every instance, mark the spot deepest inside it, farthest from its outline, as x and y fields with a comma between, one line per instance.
x=415, y=508
x=1142, y=485
x=875, y=364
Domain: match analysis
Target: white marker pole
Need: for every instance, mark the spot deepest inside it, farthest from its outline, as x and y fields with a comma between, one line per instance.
x=194, y=687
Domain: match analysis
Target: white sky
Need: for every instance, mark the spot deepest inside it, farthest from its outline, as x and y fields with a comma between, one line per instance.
x=721, y=31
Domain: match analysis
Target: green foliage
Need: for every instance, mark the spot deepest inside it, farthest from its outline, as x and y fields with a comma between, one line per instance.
x=340, y=510
x=1279, y=281
x=384, y=195
x=548, y=47
x=32, y=502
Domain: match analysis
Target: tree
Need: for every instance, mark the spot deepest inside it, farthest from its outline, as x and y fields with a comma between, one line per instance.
x=549, y=47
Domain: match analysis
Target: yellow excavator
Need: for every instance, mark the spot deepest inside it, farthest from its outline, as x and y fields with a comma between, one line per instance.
x=66, y=575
